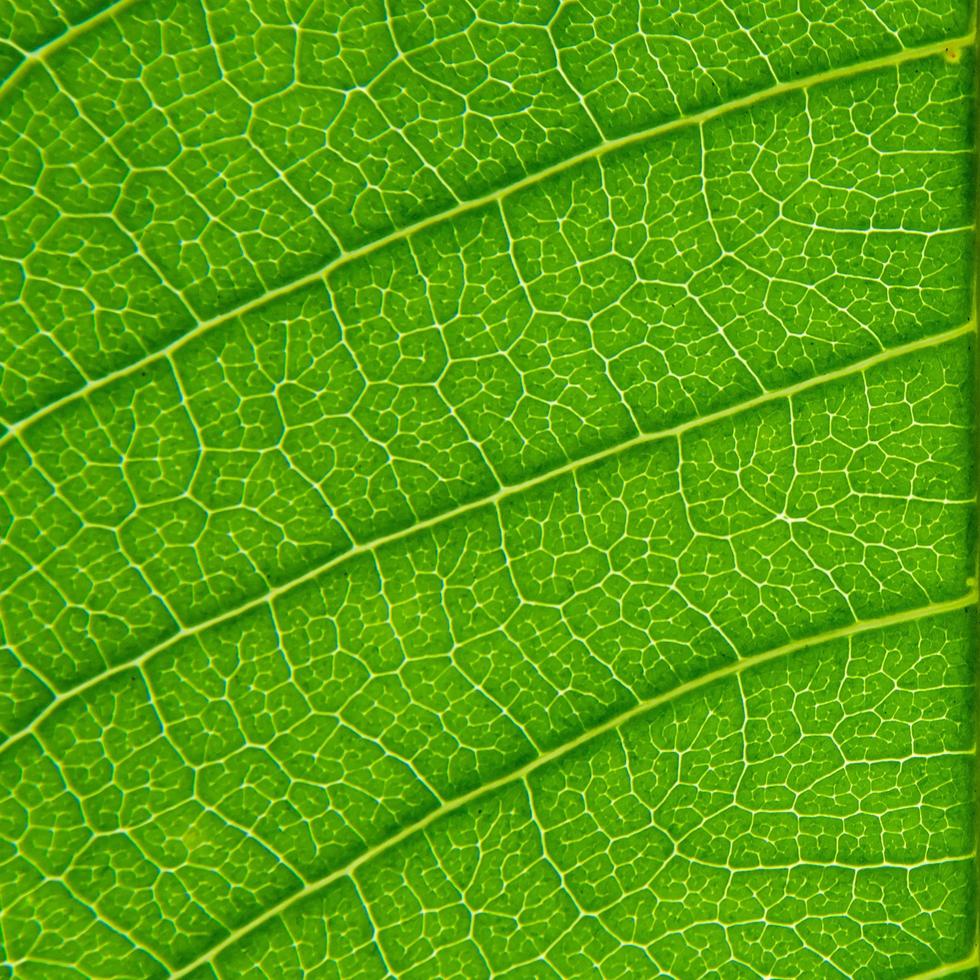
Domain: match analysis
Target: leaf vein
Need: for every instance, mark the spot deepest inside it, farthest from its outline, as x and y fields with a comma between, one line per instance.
x=732, y=669
x=17, y=426
x=371, y=545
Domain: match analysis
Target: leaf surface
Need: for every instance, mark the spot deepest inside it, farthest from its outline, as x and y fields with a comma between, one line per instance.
x=487, y=490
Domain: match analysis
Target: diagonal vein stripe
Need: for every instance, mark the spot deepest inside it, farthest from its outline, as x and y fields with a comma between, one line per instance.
x=16, y=428
x=489, y=500
x=522, y=773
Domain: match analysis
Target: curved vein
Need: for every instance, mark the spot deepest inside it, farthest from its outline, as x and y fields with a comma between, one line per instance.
x=948, y=969
x=49, y=47
x=517, y=775
x=504, y=493
x=15, y=428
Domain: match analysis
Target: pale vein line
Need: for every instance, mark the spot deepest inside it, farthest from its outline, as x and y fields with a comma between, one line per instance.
x=42, y=53
x=734, y=669
x=975, y=956
x=948, y=968
x=523, y=772
x=609, y=146
x=493, y=499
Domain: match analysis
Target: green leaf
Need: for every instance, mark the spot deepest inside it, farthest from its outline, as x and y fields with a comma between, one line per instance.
x=487, y=489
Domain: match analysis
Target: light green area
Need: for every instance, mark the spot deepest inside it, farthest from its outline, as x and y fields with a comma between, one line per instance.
x=486, y=490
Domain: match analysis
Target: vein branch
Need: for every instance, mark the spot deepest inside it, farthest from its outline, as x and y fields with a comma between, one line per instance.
x=733, y=669
x=947, y=969
x=493, y=499
x=16, y=427
x=54, y=44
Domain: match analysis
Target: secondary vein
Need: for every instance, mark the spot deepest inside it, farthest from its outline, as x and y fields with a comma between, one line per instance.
x=947, y=969
x=493, y=499
x=15, y=428
x=43, y=52
x=517, y=775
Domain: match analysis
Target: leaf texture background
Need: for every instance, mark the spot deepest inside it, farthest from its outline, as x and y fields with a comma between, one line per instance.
x=487, y=489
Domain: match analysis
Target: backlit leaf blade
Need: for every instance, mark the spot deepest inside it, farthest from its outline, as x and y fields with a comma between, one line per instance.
x=487, y=492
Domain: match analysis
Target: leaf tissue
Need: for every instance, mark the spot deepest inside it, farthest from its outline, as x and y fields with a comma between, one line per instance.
x=487, y=488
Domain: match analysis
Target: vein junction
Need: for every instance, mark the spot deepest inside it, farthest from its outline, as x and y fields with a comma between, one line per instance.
x=509, y=517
